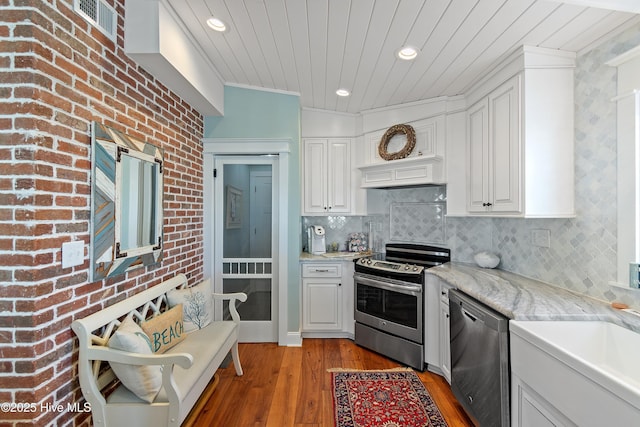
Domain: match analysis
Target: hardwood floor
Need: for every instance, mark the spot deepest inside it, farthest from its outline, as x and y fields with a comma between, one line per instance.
x=290, y=386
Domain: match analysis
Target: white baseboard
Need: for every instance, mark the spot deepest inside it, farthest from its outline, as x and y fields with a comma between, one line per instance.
x=293, y=339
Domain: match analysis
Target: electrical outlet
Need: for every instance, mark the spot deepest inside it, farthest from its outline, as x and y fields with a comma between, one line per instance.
x=72, y=253
x=541, y=238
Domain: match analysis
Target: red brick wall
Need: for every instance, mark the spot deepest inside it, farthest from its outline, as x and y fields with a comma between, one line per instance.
x=57, y=75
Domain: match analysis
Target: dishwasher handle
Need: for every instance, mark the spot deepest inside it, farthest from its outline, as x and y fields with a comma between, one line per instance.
x=469, y=315
x=478, y=312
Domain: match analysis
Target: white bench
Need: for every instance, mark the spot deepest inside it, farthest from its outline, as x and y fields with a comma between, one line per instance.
x=187, y=368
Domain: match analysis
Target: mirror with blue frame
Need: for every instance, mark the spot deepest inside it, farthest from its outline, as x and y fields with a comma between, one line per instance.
x=126, y=203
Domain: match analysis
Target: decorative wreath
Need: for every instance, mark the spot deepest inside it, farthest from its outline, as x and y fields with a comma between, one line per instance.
x=390, y=133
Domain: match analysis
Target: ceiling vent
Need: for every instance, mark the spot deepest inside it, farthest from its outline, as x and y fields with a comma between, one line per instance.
x=99, y=14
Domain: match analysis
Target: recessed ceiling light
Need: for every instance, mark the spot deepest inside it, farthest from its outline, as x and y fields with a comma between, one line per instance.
x=407, y=53
x=216, y=24
x=342, y=92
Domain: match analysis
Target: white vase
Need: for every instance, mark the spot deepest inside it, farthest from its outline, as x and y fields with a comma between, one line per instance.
x=486, y=259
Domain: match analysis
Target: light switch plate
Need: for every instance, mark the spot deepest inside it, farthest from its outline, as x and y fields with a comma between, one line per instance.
x=541, y=238
x=72, y=253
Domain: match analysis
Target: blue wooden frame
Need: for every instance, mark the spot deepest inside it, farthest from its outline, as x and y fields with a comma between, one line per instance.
x=106, y=260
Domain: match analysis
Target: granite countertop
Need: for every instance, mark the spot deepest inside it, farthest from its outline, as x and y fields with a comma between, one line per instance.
x=333, y=256
x=522, y=298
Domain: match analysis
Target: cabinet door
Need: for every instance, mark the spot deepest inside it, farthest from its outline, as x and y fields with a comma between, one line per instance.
x=339, y=176
x=478, y=126
x=348, y=322
x=531, y=410
x=322, y=299
x=314, y=176
x=504, y=133
x=445, y=349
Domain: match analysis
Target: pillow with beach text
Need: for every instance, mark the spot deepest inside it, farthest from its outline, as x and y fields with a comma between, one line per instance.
x=165, y=330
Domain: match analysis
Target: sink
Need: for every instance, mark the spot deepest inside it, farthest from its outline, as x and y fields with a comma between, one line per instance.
x=603, y=352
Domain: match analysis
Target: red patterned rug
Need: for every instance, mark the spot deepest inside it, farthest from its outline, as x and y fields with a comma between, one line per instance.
x=394, y=398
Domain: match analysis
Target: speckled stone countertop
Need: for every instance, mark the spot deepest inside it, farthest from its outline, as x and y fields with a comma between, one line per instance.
x=332, y=256
x=522, y=298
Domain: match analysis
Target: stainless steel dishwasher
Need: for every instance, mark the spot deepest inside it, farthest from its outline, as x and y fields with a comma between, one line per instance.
x=479, y=360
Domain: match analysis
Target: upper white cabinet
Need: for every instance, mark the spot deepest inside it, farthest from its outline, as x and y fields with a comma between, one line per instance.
x=424, y=165
x=326, y=176
x=520, y=138
x=494, y=151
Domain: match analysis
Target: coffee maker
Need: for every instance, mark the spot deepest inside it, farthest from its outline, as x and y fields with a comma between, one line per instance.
x=315, y=240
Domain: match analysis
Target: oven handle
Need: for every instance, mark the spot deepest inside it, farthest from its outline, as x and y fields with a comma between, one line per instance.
x=409, y=289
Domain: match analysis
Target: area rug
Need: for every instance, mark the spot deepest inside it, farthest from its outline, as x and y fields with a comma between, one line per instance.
x=395, y=398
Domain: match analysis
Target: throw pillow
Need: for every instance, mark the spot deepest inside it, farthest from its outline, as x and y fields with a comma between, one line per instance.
x=197, y=305
x=165, y=330
x=144, y=381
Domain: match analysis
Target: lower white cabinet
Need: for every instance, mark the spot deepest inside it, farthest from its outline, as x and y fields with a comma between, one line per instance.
x=437, y=346
x=323, y=299
x=445, y=333
x=327, y=300
x=529, y=409
x=553, y=387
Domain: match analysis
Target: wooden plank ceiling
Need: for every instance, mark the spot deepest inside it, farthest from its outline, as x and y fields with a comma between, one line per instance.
x=314, y=47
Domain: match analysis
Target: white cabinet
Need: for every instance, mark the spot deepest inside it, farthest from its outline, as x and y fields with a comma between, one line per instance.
x=348, y=321
x=445, y=334
x=432, y=323
x=571, y=375
x=326, y=176
x=494, y=151
x=327, y=299
x=437, y=347
x=323, y=298
x=424, y=165
x=532, y=410
x=520, y=138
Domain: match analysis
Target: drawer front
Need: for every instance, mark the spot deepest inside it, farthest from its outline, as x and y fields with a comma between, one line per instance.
x=321, y=270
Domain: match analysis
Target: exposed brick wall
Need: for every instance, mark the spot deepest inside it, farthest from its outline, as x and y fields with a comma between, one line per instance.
x=57, y=75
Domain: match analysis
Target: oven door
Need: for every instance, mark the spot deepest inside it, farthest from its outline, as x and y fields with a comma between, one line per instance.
x=390, y=305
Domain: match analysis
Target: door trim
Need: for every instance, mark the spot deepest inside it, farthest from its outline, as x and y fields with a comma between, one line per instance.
x=254, y=146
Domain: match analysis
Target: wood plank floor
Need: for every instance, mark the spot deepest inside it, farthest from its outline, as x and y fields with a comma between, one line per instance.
x=290, y=386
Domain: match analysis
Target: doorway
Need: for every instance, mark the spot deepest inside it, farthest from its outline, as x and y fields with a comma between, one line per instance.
x=245, y=252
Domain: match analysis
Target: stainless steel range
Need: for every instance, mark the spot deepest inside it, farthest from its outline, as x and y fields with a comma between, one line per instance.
x=389, y=300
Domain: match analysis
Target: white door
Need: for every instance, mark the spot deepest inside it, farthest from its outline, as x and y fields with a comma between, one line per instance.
x=245, y=259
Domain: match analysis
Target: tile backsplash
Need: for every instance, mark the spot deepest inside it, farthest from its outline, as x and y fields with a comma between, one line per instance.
x=582, y=251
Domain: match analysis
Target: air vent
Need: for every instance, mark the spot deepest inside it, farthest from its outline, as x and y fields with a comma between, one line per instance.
x=99, y=14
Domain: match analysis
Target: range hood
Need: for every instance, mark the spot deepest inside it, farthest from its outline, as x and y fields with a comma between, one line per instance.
x=417, y=170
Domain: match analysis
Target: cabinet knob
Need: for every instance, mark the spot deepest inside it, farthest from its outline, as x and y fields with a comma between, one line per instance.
x=487, y=204
x=339, y=284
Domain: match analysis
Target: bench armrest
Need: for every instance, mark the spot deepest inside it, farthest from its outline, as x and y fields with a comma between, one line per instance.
x=94, y=352
x=232, y=297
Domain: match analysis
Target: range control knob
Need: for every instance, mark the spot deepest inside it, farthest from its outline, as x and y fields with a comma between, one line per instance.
x=407, y=267
x=363, y=260
x=415, y=268
x=369, y=261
